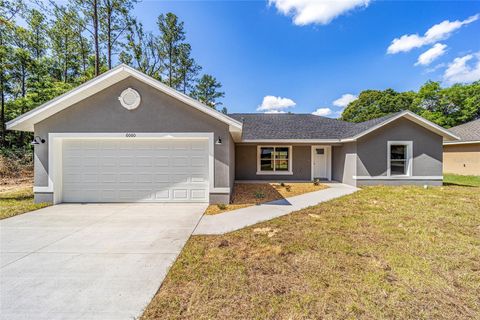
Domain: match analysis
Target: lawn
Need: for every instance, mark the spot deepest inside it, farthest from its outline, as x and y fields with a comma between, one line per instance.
x=381, y=253
x=455, y=179
x=17, y=200
x=250, y=194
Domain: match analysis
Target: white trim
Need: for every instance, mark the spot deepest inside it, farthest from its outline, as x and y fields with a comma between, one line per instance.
x=448, y=143
x=328, y=153
x=136, y=101
x=278, y=141
x=43, y=189
x=279, y=173
x=409, y=159
x=55, y=155
x=26, y=121
x=398, y=178
x=220, y=190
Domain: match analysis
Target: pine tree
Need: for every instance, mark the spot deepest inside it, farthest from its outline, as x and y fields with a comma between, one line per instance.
x=172, y=36
x=208, y=91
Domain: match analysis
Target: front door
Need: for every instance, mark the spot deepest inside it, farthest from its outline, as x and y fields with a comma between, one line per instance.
x=320, y=157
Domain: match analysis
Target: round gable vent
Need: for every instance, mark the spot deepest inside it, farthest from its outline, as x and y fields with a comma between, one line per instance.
x=130, y=99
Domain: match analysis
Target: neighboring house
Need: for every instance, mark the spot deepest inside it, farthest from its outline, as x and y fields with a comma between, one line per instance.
x=463, y=156
x=126, y=137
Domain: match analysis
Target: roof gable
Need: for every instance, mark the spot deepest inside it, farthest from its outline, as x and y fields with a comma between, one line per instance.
x=26, y=121
x=259, y=127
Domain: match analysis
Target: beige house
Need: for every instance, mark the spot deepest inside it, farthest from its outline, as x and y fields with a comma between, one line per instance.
x=463, y=156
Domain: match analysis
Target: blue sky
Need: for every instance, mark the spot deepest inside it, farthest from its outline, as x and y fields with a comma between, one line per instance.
x=290, y=49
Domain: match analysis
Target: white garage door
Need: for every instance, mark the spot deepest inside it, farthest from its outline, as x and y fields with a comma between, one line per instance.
x=123, y=170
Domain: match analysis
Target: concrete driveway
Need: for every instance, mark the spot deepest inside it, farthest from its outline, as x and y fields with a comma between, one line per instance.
x=93, y=261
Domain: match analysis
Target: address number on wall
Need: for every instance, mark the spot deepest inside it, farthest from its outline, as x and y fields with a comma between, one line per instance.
x=130, y=135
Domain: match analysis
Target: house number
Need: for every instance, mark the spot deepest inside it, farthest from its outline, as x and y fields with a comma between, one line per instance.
x=130, y=135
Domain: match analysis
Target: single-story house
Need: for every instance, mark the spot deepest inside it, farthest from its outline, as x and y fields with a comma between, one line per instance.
x=463, y=156
x=126, y=137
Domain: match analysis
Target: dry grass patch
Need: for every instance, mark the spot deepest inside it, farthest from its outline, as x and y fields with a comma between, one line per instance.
x=381, y=253
x=250, y=194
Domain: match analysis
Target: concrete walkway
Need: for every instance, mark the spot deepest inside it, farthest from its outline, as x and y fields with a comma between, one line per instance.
x=241, y=218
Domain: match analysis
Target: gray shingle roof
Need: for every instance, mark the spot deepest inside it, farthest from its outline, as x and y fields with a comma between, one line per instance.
x=469, y=131
x=259, y=126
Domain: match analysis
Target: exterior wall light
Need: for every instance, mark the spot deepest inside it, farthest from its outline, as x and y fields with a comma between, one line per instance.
x=219, y=140
x=37, y=140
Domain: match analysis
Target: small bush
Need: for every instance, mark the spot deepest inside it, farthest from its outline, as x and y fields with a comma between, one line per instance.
x=316, y=182
x=222, y=206
x=259, y=195
x=288, y=188
x=282, y=184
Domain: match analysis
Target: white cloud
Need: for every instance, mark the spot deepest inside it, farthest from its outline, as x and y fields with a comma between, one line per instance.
x=431, y=54
x=316, y=11
x=270, y=104
x=344, y=100
x=322, y=112
x=460, y=71
x=438, y=32
x=275, y=111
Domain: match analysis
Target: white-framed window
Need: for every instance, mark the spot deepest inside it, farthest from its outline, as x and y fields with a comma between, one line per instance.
x=399, y=155
x=274, y=160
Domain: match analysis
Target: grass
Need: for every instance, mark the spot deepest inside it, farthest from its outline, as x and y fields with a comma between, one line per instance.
x=250, y=194
x=455, y=179
x=381, y=253
x=17, y=200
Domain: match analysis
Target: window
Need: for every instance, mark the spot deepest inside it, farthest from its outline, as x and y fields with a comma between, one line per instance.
x=274, y=160
x=399, y=158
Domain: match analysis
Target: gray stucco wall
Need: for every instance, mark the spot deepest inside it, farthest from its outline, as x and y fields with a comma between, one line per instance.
x=427, y=149
x=157, y=112
x=427, y=152
x=246, y=163
x=344, y=159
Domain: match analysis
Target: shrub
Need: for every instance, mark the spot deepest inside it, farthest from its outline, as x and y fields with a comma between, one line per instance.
x=222, y=206
x=316, y=182
x=282, y=184
x=288, y=188
x=259, y=195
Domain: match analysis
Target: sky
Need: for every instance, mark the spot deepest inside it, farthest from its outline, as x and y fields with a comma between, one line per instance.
x=307, y=56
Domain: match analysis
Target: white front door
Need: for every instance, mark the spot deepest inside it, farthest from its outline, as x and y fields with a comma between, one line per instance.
x=142, y=170
x=321, y=162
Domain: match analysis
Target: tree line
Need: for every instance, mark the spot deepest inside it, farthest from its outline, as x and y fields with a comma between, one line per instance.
x=447, y=107
x=47, y=49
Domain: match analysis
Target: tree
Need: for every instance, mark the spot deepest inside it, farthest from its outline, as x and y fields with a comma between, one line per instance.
x=171, y=37
x=114, y=21
x=141, y=50
x=372, y=104
x=207, y=91
x=8, y=11
x=70, y=49
x=90, y=10
x=451, y=106
x=187, y=70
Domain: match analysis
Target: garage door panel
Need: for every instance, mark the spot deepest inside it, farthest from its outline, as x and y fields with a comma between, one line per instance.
x=135, y=170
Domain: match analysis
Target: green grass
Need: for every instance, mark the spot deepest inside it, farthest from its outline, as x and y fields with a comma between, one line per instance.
x=455, y=179
x=17, y=201
x=381, y=253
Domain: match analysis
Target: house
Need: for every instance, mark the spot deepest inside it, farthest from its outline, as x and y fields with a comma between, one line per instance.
x=126, y=137
x=463, y=156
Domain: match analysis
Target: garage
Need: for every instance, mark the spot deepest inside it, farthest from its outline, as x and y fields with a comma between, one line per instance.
x=135, y=170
